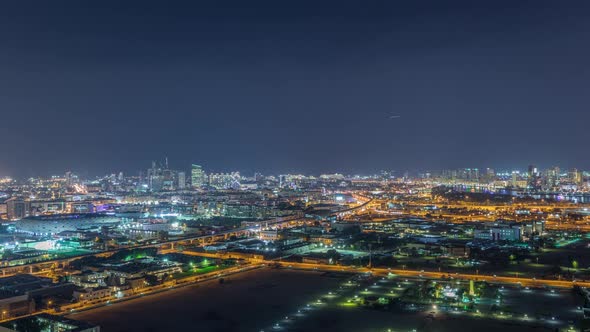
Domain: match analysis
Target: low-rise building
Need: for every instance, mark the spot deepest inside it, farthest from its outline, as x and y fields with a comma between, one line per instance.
x=499, y=232
x=270, y=235
x=89, y=279
x=91, y=294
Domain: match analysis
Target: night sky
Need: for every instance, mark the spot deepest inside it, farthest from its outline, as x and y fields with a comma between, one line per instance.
x=293, y=86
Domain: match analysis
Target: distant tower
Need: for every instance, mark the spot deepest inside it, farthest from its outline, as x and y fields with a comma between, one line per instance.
x=576, y=176
x=197, y=176
x=532, y=171
x=181, y=180
x=514, y=178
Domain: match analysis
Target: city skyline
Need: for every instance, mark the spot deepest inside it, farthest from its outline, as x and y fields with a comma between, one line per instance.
x=144, y=171
x=414, y=173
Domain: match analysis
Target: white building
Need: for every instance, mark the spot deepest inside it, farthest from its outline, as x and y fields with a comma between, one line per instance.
x=499, y=233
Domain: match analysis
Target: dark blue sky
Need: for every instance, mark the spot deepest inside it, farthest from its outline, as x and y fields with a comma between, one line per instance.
x=299, y=85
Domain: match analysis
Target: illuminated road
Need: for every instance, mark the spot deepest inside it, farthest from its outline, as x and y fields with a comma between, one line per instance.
x=416, y=273
x=442, y=275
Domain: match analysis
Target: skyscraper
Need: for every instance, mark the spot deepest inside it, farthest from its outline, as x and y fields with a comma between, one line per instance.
x=514, y=182
x=575, y=176
x=181, y=180
x=533, y=171
x=197, y=176
x=553, y=178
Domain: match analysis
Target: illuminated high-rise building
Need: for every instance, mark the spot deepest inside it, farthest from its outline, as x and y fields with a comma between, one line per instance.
x=181, y=180
x=514, y=181
x=197, y=176
x=534, y=181
x=552, y=178
x=468, y=174
x=575, y=176
x=533, y=171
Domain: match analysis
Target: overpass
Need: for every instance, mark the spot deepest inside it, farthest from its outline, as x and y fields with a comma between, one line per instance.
x=350, y=210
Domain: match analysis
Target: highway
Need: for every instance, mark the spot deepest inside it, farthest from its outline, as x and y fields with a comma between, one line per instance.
x=442, y=275
x=414, y=273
